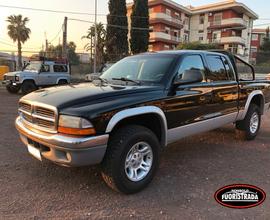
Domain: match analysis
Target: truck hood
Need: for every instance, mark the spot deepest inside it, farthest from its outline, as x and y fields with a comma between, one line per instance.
x=88, y=98
x=21, y=73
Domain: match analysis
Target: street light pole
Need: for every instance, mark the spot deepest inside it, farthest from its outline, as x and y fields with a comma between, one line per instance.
x=95, y=40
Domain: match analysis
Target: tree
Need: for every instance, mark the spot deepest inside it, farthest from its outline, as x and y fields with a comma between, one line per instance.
x=18, y=32
x=139, y=27
x=263, y=55
x=197, y=46
x=101, y=40
x=55, y=52
x=117, y=30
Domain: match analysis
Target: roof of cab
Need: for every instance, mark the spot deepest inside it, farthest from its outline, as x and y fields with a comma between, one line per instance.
x=181, y=52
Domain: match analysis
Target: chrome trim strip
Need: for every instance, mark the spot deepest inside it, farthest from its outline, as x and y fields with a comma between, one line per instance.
x=140, y=111
x=61, y=141
x=42, y=105
x=178, y=133
x=242, y=113
x=25, y=112
x=34, y=115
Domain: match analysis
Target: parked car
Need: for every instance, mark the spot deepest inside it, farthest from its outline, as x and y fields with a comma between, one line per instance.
x=140, y=105
x=3, y=71
x=93, y=76
x=37, y=74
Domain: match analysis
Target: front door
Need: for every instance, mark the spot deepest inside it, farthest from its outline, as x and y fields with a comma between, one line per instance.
x=189, y=106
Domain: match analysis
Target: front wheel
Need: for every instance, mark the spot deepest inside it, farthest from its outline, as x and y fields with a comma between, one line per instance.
x=249, y=128
x=28, y=86
x=13, y=89
x=131, y=160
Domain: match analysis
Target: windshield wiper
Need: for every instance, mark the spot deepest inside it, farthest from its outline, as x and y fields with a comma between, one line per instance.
x=127, y=80
x=103, y=80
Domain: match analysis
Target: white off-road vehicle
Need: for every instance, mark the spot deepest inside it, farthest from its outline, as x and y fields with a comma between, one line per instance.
x=37, y=74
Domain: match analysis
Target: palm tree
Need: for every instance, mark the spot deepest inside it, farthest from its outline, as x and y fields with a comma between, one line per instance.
x=101, y=39
x=18, y=32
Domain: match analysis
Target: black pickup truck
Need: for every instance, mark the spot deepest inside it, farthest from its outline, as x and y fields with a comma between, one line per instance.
x=141, y=104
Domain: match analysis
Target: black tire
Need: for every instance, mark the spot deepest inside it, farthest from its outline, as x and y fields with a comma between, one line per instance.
x=62, y=82
x=120, y=144
x=28, y=86
x=13, y=89
x=244, y=128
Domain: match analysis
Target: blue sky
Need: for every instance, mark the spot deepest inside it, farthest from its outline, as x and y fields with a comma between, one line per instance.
x=51, y=23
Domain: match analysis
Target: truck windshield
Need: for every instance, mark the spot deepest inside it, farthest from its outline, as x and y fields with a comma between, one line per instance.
x=144, y=68
x=33, y=67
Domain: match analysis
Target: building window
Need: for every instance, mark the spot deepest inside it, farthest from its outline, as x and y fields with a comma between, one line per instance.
x=166, y=47
x=255, y=37
x=151, y=29
x=186, y=37
x=167, y=30
x=201, y=38
x=201, y=31
x=186, y=21
x=168, y=11
x=217, y=19
x=201, y=19
x=150, y=47
x=253, y=50
x=177, y=15
x=151, y=10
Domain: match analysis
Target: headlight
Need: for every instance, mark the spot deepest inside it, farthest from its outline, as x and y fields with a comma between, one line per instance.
x=17, y=78
x=75, y=126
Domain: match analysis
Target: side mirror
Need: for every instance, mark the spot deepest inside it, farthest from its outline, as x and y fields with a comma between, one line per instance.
x=189, y=77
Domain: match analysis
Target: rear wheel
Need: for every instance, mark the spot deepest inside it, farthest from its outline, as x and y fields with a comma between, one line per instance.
x=13, y=89
x=131, y=160
x=28, y=86
x=62, y=82
x=249, y=128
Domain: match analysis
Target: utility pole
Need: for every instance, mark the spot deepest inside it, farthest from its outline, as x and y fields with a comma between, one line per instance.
x=95, y=40
x=46, y=45
x=64, y=49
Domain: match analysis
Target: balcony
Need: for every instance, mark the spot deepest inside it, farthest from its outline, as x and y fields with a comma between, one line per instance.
x=230, y=40
x=155, y=36
x=231, y=22
x=156, y=17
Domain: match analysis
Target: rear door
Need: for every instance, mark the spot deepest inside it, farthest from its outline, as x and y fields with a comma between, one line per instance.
x=44, y=75
x=60, y=72
x=225, y=89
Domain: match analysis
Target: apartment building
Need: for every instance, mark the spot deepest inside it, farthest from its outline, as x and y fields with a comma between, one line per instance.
x=256, y=41
x=228, y=24
x=169, y=24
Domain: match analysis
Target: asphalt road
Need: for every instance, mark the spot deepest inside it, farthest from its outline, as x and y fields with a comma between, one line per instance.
x=190, y=173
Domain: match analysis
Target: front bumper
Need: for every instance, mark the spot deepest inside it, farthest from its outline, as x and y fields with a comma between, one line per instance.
x=64, y=150
x=10, y=83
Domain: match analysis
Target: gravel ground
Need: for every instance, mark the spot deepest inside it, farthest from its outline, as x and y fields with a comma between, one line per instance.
x=190, y=173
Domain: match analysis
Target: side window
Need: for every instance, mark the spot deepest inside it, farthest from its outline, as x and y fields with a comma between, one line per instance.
x=244, y=71
x=217, y=69
x=60, y=68
x=45, y=68
x=192, y=62
x=228, y=68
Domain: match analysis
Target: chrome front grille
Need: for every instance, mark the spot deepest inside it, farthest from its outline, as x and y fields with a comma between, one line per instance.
x=11, y=78
x=39, y=116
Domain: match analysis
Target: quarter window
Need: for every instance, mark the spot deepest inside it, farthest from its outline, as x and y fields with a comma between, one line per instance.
x=217, y=69
x=60, y=68
x=45, y=68
x=192, y=62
